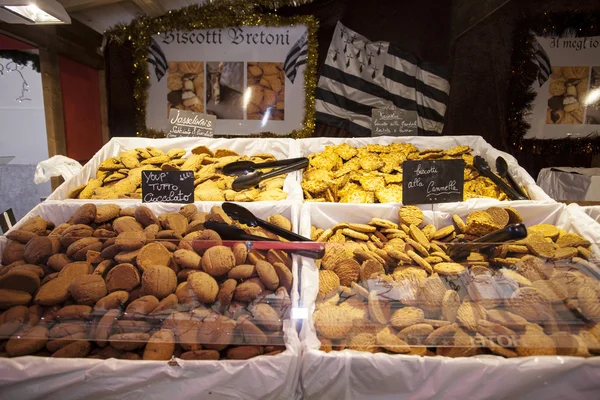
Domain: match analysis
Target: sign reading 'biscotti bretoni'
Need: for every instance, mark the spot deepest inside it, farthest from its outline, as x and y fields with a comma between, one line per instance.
x=167, y=186
x=432, y=181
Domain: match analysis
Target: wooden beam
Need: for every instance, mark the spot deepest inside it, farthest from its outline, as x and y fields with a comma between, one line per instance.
x=53, y=102
x=150, y=7
x=76, y=41
x=80, y=5
x=103, y=107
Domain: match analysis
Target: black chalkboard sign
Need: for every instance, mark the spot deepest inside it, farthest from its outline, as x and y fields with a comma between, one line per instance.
x=184, y=123
x=432, y=181
x=167, y=186
x=387, y=122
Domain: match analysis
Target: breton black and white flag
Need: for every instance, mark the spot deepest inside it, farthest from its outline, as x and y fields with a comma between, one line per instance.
x=543, y=62
x=296, y=57
x=157, y=58
x=359, y=76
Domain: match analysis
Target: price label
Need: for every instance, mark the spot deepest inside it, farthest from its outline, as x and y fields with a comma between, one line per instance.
x=167, y=186
x=190, y=124
x=432, y=181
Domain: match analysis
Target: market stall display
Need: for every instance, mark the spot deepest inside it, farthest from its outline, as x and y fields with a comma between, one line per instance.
x=397, y=280
x=369, y=170
x=115, y=171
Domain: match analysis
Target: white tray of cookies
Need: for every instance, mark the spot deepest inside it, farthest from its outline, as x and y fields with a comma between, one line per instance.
x=477, y=190
x=120, y=178
x=395, y=313
x=118, y=376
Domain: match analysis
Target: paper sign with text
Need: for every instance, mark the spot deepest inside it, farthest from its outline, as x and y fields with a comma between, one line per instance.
x=190, y=124
x=167, y=186
x=432, y=181
x=394, y=123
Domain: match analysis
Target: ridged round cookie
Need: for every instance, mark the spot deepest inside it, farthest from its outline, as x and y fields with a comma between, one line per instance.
x=88, y=289
x=379, y=308
x=362, y=342
x=530, y=303
x=333, y=322
x=370, y=269
x=267, y=274
x=431, y=294
x=486, y=291
x=348, y=271
x=249, y=289
x=554, y=291
x=159, y=281
x=387, y=339
x=469, y=313
x=449, y=268
x=410, y=215
x=547, y=230
x=534, y=342
x=450, y=305
x=534, y=268
x=328, y=283
x=415, y=334
x=589, y=302
x=570, y=281
x=499, y=216
x=407, y=316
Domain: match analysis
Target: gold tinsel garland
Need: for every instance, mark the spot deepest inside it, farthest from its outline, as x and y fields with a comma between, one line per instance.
x=218, y=14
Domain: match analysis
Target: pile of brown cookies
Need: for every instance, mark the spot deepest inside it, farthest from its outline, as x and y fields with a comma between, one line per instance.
x=266, y=83
x=373, y=173
x=121, y=177
x=125, y=283
x=393, y=287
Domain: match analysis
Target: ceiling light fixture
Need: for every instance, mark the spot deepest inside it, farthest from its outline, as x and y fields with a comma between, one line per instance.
x=37, y=12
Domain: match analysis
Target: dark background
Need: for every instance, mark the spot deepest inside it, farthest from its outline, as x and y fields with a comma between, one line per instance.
x=474, y=38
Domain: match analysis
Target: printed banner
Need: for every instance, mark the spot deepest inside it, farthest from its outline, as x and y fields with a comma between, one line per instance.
x=567, y=104
x=250, y=78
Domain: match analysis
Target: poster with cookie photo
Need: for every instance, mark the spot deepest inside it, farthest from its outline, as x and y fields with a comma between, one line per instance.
x=593, y=100
x=568, y=92
x=224, y=87
x=266, y=88
x=185, y=84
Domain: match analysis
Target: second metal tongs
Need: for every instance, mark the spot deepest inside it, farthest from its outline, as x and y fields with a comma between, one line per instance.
x=484, y=169
x=250, y=180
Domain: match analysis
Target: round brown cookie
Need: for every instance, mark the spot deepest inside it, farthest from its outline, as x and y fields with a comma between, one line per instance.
x=204, y=286
x=328, y=283
x=106, y=212
x=547, y=230
x=152, y=254
x=88, y=289
x=20, y=279
x=85, y=214
x=249, y=290
x=240, y=252
x=112, y=301
x=460, y=225
x=267, y=274
x=449, y=268
x=218, y=260
x=499, y=216
x=514, y=217
x=159, y=281
x=160, y=346
x=410, y=215
x=407, y=316
x=285, y=276
x=54, y=292
x=530, y=303
x=348, y=270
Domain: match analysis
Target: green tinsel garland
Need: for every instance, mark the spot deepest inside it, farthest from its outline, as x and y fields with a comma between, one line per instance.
x=524, y=73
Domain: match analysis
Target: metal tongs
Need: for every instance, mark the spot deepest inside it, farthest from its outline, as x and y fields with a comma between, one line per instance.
x=460, y=249
x=304, y=248
x=484, y=169
x=248, y=176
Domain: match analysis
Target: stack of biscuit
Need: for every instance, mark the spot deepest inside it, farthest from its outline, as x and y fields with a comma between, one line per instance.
x=126, y=283
x=391, y=286
x=121, y=177
x=373, y=173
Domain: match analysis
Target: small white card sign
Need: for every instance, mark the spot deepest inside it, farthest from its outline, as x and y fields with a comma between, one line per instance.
x=394, y=122
x=190, y=124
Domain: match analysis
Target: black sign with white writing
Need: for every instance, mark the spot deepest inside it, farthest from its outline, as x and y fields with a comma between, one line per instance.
x=190, y=124
x=432, y=181
x=167, y=186
x=393, y=123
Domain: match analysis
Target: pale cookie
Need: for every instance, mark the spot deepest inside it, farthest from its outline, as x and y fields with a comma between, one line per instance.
x=461, y=227
x=420, y=261
x=379, y=309
x=354, y=234
x=450, y=305
x=530, y=303
x=449, y=268
x=418, y=247
x=406, y=317
x=410, y=215
x=469, y=313
x=383, y=223
x=443, y=232
x=419, y=236
x=589, y=302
